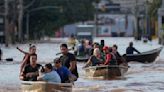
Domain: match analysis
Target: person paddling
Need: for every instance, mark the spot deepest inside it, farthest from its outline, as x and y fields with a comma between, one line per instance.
x=131, y=49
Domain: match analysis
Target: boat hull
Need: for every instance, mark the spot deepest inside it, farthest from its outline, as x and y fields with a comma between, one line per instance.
x=145, y=57
x=29, y=86
x=106, y=72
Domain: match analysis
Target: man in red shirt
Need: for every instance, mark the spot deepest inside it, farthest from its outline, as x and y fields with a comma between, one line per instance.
x=108, y=55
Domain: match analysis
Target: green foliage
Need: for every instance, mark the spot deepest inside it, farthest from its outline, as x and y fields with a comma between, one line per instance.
x=69, y=11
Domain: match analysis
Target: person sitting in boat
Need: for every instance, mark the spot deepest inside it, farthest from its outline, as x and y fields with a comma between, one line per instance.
x=108, y=55
x=119, y=58
x=26, y=59
x=81, y=51
x=131, y=49
x=72, y=41
x=49, y=75
x=64, y=73
x=68, y=60
x=88, y=46
x=31, y=71
x=95, y=45
x=95, y=59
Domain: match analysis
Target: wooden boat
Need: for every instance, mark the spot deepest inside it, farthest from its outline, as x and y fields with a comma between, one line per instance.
x=39, y=86
x=145, y=57
x=106, y=71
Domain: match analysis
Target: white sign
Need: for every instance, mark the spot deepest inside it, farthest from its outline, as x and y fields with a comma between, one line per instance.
x=84, y=33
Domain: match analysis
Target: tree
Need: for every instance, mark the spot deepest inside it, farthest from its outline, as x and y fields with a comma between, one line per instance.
x=69, y=11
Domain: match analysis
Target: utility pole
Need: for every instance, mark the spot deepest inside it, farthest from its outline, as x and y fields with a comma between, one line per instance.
x=136, y=33
x=148, y=33
x=6, y=24
x=20, y=17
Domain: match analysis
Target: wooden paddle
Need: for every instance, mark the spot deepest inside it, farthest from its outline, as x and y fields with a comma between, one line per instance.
x=68, y=50
x=8, y=59
x=61, y=52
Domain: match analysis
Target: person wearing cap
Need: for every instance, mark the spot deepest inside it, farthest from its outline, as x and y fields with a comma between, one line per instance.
x=64, y=73
x=49, y=75
x=95, y=59
x=108, y=55
x=131, y=49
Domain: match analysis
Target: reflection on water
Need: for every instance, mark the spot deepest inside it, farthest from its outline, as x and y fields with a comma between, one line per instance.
x=139, y=78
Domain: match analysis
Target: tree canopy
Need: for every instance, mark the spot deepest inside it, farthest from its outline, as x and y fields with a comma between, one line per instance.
x=68, y=11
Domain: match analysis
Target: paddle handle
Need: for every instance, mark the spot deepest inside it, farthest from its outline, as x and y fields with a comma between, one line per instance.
x=8, y=59
x=61, y=52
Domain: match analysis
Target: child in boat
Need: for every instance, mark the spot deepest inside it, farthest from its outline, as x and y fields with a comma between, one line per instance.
x=64, y=73
x=49, y=75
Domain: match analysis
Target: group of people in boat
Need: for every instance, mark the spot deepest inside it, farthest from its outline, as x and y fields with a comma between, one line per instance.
x=103, y=55
x=63, y=69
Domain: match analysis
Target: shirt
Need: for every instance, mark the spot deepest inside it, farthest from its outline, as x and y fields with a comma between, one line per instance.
x=108, y=58
x=52, y=76
x=29, y=69
x=95, y=61
x=64, y=73
x=130, y=50
x=66, y=59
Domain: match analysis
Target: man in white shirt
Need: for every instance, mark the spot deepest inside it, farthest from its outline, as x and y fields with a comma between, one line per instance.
x=49, y=75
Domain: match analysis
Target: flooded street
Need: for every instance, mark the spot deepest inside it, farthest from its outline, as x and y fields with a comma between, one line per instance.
x=139, y=78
